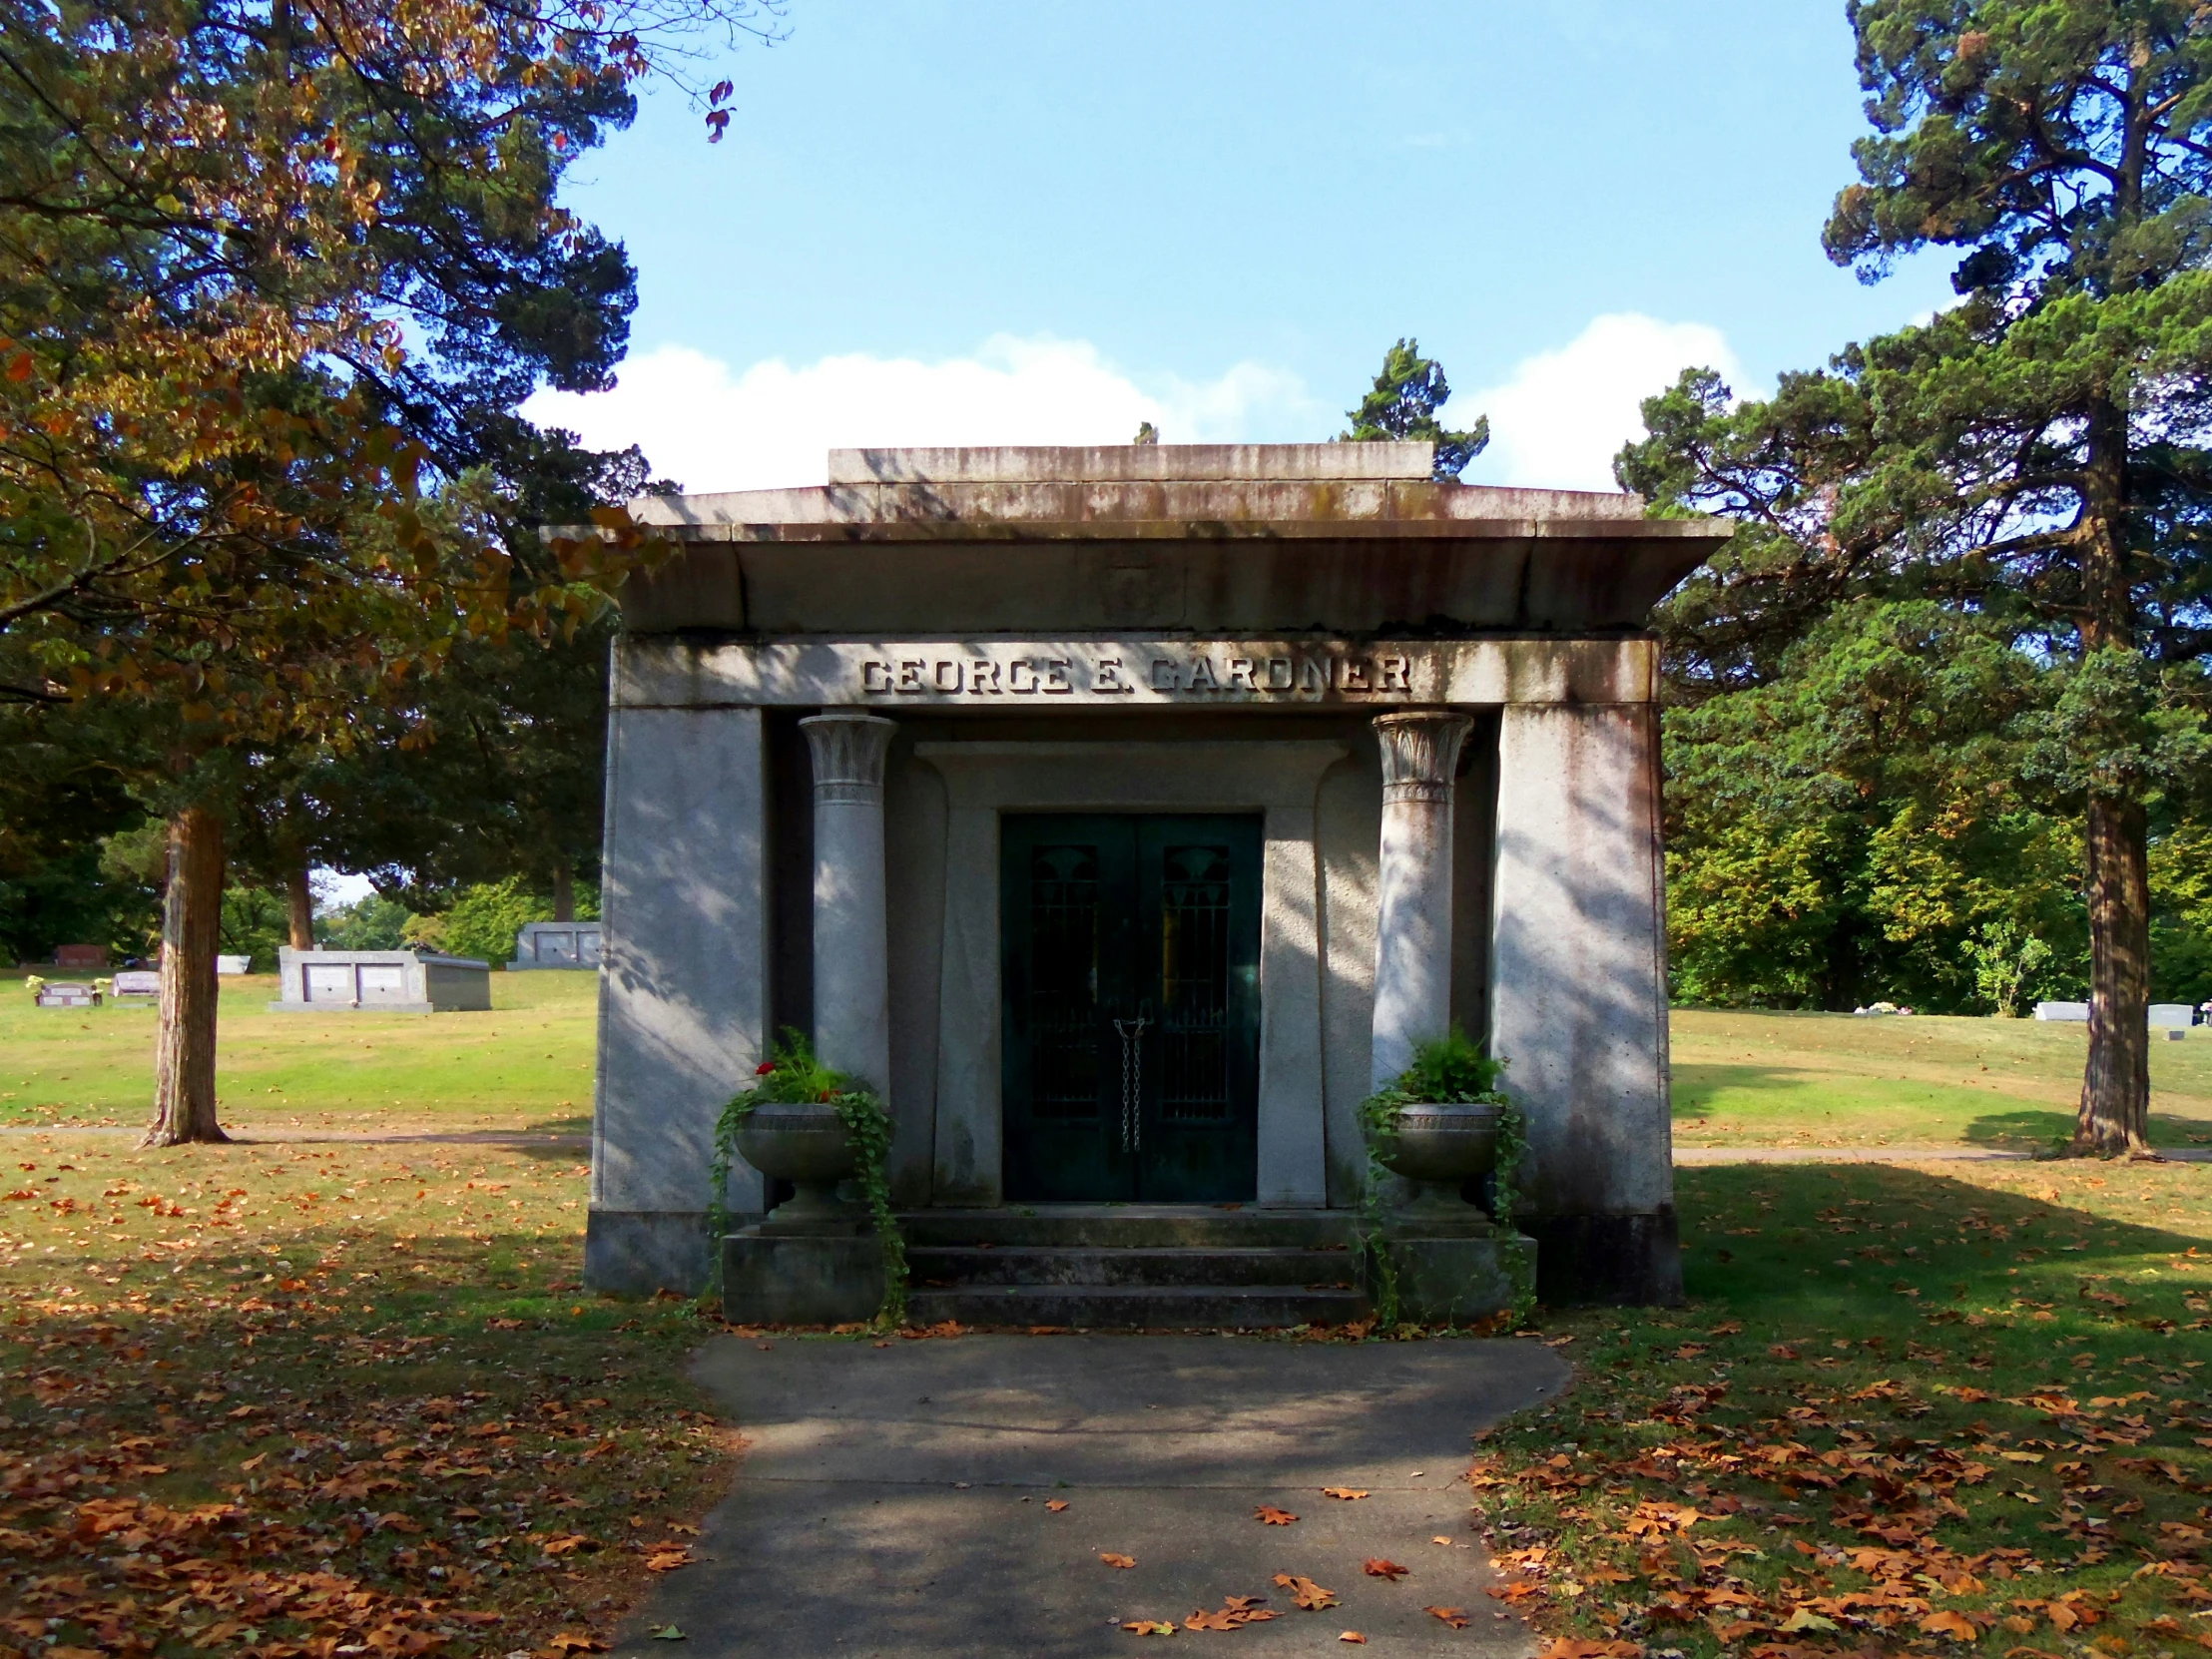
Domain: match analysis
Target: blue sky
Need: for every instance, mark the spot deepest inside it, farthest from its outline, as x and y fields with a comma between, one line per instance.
x=1044, y=222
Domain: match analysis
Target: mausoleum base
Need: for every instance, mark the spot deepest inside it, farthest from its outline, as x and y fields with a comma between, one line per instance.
x=1451, y=1275
x=1625, y=1260
x=640, y=1251
x=775, y=1277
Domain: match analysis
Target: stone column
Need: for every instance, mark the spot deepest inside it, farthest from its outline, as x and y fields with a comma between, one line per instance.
x=853, y=1019
x=1412, y=952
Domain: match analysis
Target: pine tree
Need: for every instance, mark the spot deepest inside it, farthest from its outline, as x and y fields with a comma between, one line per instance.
x=1402, y=407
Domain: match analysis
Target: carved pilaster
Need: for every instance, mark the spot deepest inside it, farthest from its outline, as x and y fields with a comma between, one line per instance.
x=849, y=751
x=1413, y=967
x=1420, y=753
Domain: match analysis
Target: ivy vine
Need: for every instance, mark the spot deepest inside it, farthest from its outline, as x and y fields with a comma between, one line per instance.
x=1451, y=1071
x=791, y=1075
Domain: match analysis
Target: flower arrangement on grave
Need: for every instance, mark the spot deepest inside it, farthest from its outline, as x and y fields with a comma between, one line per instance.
x=793, y=1076
x=1441, y=1123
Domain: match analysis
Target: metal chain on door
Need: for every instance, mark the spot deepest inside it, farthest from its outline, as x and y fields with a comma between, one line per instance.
x=1130, y=1033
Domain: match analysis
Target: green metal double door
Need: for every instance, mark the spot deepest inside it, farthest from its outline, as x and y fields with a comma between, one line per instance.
x=1131, y=955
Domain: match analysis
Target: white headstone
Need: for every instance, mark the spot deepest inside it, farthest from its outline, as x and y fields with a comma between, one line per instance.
x=66, y=993
x=233, y=964
x=137, y=983
x=2062, y=1010
x=2172, y=1014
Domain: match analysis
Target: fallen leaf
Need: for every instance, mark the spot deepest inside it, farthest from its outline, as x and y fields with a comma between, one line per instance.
x=1268, y=1515
x=1456, y=1617
x=577, y=1642
x=1151, y=1627
x=1352, y=1636
x=1439, y=1538
x=1304, y=1592
x=1348, y=1494
x=1804, y=1619
x=1956, y=1625
x=1055, y=1504
x=666, y=1633
x=1113, y=1560
x=1376, y=1567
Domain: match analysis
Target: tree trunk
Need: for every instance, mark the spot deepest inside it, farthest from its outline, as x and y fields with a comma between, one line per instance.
x=298, y=907
x=564, y=888
x=2114, y=1116
x=184, y=1052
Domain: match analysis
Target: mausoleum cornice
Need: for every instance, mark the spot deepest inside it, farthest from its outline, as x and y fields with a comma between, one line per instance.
x=1345, y=537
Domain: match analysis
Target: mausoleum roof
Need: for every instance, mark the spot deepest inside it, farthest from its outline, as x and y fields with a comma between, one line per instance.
x=1348, y=537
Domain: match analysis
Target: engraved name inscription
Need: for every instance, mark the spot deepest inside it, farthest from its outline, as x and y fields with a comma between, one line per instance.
x=1309, y=677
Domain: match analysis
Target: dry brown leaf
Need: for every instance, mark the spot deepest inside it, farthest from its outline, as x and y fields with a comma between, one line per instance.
x=1055, y=1504
x=1377, y=1566
x=1269, y=1515
x=1352, y=1636
x=1348, y=1494
x=1113, y=1560
x=1304, y=1592
x=1456, y=1617
x=1151, y=1627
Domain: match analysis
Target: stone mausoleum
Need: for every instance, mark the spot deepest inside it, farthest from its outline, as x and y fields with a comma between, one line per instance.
x=1124, y=816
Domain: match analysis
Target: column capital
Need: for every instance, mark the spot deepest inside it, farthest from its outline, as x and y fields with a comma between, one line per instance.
x=849, y=750
x=1420, y=752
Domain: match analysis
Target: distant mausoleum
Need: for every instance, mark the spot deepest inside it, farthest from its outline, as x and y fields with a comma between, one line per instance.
x=1124, y=816
x=556, y=944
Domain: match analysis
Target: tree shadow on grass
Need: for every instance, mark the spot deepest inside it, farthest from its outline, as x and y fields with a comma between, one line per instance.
x=1790, y=1244
x=1694, y=1087
x=2027, y=1127
x=2021, y=1129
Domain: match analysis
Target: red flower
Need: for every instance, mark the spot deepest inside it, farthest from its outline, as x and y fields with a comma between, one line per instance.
x=763, y=1068
x=827, y=1094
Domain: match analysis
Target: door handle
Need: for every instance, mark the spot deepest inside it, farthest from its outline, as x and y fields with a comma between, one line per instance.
x=1130, y=1033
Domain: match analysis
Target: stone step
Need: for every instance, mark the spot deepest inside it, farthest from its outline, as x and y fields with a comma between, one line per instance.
x=1129, y=1227
x=1136, y=1306
x=1277, y=1266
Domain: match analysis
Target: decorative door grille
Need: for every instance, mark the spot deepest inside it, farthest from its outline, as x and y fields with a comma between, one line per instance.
x=1065, y=1020
x=1194, y=981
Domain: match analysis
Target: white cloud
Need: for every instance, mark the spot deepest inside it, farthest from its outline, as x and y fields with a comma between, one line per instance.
x=1559, y=418
x=772, y=424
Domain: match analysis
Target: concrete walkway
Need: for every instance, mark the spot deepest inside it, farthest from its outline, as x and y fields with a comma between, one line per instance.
x=892, y=1501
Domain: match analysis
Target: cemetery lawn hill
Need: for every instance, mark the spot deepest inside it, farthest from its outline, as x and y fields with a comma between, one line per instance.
x=1834, y=1080
x=527, y=1063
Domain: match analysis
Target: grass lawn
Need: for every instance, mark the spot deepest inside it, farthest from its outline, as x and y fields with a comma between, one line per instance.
x=528, y=1062
x=1936, y=1407
x=291, y=1402
x=1813, y=1080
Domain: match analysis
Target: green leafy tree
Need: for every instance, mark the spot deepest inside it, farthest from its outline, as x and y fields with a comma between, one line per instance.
x=2035, y=455
x=1848, y=830
x=272, y=281
x=1402, y=405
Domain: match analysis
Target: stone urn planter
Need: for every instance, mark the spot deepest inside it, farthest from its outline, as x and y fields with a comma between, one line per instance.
x=809, y=1145
x=1440, y=1147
